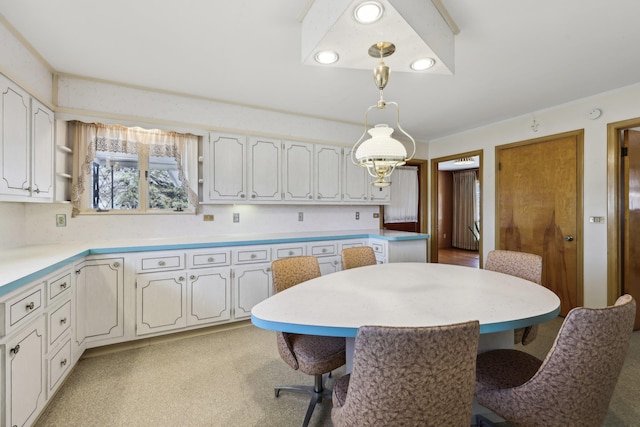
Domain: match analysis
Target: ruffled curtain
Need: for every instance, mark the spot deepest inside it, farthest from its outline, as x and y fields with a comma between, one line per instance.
x=88, y=138
x=404, y=196
x=464, y=210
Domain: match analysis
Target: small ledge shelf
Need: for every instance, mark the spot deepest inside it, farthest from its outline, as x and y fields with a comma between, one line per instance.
x=64, y=149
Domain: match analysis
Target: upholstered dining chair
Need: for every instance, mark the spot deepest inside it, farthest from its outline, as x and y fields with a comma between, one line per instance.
x=574, y=384
x=409, y=376
x=311, y=354
x=525, y=266
x=358, y=256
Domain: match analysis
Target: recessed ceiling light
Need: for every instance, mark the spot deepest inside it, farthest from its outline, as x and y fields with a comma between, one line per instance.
x=422, y=64
x=326, y=57
x=368, y=12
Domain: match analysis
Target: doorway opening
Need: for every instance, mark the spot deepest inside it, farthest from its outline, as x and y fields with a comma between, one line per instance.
x=623, y=224
x=456, y=209
x=418, y=221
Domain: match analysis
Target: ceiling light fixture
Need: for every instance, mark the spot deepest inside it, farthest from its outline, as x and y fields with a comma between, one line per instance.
x=326, y=57
x=422, y=64
x=368, y=12
x=381, y=154
x=464, y=161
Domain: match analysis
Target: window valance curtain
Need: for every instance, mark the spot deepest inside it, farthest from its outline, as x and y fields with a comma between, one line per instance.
x=404, y=196
x=465, y=213
x=88, y=138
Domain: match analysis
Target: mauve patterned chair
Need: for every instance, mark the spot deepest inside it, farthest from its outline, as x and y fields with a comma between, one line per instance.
x=525, y=266
x=313, y=355
x=574, y=384
x=358, y=256
x=409, y=376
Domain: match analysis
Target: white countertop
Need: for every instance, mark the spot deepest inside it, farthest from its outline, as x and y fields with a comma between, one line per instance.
x=27, y=263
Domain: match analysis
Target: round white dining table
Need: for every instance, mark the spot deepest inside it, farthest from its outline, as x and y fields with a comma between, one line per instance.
x=407, y=294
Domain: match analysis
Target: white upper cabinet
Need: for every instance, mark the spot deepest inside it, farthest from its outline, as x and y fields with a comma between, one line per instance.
x=26, y=146
x=328, y=173
x=238, y=168
x=42, y=131
x=297, y=171
x=225, y=167
x=264, y=166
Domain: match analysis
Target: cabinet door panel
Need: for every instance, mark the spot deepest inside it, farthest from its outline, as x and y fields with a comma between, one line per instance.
x=328, y=173
x=297, y=171
x=14, y=144
x=264, y=170
x=227, y=167
x=355, y=180
x=209, y=298
x=25, y=374
x=252, y=284
x=43, y=137
x=161, y=301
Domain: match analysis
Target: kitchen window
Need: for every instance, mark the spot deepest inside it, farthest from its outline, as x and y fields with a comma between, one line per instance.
x=120, y=169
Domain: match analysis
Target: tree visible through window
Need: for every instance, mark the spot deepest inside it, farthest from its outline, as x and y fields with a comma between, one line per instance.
x=132, y=169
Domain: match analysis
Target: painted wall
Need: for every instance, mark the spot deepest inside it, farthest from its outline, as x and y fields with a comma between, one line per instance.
x=616, y=106
x=77, y=98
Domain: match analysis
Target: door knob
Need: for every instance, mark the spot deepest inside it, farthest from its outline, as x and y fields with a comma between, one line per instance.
x=568, y=238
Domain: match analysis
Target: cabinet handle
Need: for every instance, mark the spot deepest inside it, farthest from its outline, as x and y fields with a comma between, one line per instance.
x=268, y=268
x=30, y=306
x=324, y=250
x=319, y=196
x=116, y=264
x=161, y=263
x=192, y=277
x=63, y=362
x=253, y=196
x=63, y=320
x=311, y=197
x=290, y=253
x=37, y=190
x=253, y=256
x=63, y=285
x=15, y=350
x=181, y=278
x=242, y=196
x=210, y=259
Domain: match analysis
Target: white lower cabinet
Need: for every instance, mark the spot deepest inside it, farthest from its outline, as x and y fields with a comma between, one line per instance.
x=23, y=367
x=330, y=264
x=174, y=300
x=99, y=302
x=251, y=284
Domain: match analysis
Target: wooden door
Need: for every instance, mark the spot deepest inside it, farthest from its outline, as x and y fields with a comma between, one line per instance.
x=539, y=208
x=631, y=239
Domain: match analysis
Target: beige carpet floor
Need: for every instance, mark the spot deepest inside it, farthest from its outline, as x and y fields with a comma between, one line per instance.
x=226, y=378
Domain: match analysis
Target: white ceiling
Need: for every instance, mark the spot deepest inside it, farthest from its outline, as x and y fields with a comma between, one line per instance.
x=511, y=57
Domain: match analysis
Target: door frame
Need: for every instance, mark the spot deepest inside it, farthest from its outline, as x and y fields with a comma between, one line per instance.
x=433, y=241
x=422, y=202
x=579, y=134
x=614, y=192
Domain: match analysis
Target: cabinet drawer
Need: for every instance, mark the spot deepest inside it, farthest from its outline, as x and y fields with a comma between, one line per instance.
x=59, y=286
x=288, y=251
x=162, y=262
x=59, y=364
x=23, y=308
x=378, y=248
x=208, y=259
x=251, y=255
x=59, y=322
x=327, y=249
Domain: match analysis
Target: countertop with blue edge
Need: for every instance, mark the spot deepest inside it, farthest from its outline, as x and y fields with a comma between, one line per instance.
x=23, y=265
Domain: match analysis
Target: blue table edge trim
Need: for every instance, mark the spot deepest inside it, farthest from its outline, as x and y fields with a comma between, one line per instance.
x=333, y=331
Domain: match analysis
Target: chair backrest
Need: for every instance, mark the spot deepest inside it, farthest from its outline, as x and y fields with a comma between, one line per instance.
x=412, y=376
x=287, y=272
x=576, y=380
x=357, y=257
x=520, y=264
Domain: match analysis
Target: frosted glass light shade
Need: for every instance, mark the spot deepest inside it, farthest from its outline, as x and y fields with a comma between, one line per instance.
x=381, y=148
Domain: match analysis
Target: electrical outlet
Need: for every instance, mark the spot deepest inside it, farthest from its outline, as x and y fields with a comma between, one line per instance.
x=300, y=216
x=207, y=217
x=236, y=217
x=357, y=215
x=376, y=215
x=61, y=220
